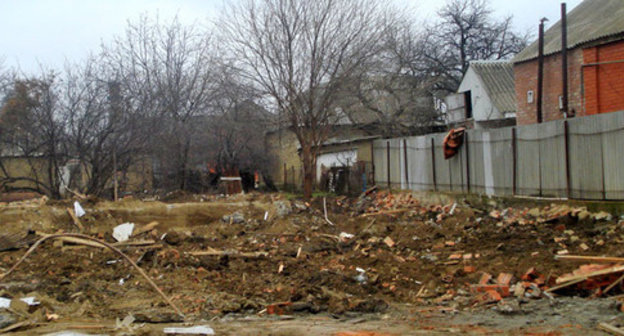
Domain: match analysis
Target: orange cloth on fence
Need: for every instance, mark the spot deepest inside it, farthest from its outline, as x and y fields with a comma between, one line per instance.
x=452, y=142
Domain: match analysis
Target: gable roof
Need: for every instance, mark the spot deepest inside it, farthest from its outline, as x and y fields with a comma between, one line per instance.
x=591, y=20
x=497, y=78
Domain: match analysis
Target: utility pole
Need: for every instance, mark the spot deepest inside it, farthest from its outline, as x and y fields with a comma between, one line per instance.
x=564, y=60
x=115, y=100
x=540, y=70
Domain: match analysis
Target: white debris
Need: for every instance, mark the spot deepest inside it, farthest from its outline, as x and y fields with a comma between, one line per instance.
x=453, y=208
x=6, y=303
x=266, y=215
x=78, y=210
x=197, y=330
x=123, y=232
x=345, y=236
x=71, y=333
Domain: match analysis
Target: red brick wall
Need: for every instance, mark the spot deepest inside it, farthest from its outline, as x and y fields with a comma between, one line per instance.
x=604, y=89
x=526, y=79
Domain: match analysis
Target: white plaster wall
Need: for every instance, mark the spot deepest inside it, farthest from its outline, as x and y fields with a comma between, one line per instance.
x=482, y=108
x=337, y=159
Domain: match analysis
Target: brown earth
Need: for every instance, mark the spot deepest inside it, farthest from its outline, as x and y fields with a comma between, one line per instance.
x=308, y=274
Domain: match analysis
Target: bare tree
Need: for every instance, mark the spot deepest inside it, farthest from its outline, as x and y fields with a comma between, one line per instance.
x=100, y=135
x=466, y=31
x=236, y=139
x=392, y=97
x=164, y=73
x=32, y=129
x=302, y=53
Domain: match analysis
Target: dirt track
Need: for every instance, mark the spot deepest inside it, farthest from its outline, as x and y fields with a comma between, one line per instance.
x=306, y=270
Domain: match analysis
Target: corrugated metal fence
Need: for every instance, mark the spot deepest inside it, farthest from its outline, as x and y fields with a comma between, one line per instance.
x=581, y=158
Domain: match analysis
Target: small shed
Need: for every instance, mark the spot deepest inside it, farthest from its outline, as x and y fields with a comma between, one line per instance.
x=488, y=95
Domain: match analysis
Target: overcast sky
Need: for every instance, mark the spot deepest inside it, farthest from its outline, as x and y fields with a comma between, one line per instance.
x=49, y=31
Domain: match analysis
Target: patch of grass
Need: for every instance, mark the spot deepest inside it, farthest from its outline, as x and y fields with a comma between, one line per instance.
x=291, y=196
x=323, y=194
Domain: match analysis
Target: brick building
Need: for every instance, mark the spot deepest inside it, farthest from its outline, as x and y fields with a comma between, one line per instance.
x=595, y=65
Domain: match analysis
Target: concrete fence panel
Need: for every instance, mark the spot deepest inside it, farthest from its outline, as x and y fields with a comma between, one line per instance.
x=613, y=154
x=419, y=163
x=586, y=158
x=443, y=169
x=379, y=162
x=501, y=154
x=552, y=159
x=395, y=163
x=475, y=145
x=579, y=158
x=528, y=161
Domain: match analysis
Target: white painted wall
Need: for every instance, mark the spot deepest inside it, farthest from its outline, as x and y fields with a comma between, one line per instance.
x=482, y=107
x=456, y=111
x=337, y=159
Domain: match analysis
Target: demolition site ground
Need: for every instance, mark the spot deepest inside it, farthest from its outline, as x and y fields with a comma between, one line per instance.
x=268, y=264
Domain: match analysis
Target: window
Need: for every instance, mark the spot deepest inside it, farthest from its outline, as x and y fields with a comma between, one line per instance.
x=468, y=104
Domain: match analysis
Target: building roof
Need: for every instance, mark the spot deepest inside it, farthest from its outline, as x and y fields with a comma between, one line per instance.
x=498, y=80
x=590, y=21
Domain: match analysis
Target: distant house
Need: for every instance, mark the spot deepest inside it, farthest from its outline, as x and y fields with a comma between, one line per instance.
x=347, y=147
x=356, y=123
x=485, y=98
x=595, y=65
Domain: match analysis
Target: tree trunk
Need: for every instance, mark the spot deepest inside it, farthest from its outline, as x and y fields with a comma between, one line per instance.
x=309, y=165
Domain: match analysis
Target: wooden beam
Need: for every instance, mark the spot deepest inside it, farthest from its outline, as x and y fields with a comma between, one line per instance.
x=228, y=253
x=610, y=329
x=615, y=283
x=607, y=260
x=606, y=271
x=75, y=219
x=148, y=227
x=564, y=285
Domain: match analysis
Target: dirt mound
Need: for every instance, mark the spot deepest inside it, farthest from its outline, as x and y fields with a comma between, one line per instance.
x=246, y=255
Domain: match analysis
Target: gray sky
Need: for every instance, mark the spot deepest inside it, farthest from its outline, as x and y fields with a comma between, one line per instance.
x=49, y=31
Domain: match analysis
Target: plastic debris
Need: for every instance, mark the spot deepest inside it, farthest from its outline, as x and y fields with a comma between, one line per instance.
x=123, y=232
x=78, y=210
x=6, y=303
x=196, y=330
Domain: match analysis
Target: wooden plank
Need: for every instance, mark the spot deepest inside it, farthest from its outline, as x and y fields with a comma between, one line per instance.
x=610, y=329
x=606, y=271
x=385, y=212
x=564, y=285
x=135, y=243
x=74, y=240
x=610, y=287
x=75, y=219
x=147, y=228
x=608, y=260
x=228, y=253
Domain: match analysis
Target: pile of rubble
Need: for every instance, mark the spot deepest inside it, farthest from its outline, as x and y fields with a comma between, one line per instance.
x=265, y=255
